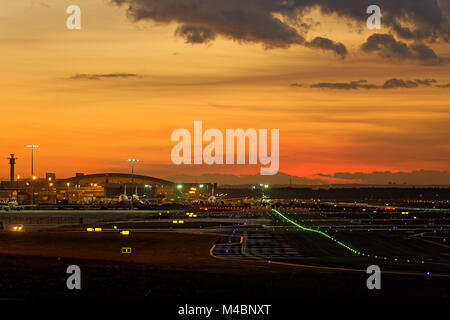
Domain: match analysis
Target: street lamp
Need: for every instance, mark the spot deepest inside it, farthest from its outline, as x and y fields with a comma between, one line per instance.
x=67, y=193
x=33, y=177
x=263, y=186
x=132, y=161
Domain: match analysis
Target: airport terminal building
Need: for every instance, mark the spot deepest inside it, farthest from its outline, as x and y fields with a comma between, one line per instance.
x=100, y=187
x=94, y=188
x=85, y=188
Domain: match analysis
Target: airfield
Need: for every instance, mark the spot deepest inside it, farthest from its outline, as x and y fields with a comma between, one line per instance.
x=307, y=251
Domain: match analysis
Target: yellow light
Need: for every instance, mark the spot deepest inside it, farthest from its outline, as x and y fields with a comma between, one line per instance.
x=34, y=177
x=126, y=250
x=174, y=221
x=89, y=229
x=115, y=227
x=180, y=221
x=98, y=229
x=125, y=232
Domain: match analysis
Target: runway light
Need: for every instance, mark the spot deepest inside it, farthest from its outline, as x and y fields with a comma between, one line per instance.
x=89, y=229
x=98, y=229
x=125, y=232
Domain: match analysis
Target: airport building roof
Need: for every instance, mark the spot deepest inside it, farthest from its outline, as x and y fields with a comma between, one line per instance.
x=116, y=177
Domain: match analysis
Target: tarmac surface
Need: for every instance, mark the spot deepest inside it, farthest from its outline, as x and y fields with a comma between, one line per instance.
x=219, y=255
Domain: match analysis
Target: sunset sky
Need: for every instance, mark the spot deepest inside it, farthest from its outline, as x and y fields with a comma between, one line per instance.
x=117, y=88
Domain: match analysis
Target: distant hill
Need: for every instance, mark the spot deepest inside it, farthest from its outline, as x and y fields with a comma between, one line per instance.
x=420, y=177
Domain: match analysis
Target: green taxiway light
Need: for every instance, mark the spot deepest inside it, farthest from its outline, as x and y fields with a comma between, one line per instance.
x=316, y=231
x=331, y=238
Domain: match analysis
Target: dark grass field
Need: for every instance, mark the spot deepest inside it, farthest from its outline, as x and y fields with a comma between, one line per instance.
x=175, y=267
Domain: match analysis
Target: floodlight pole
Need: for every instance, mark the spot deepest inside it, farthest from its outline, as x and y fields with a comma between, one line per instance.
x=132, y=179
x=32, y=146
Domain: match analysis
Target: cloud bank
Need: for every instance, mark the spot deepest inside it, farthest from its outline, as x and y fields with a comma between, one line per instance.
x=282, y=23
x=393, y=83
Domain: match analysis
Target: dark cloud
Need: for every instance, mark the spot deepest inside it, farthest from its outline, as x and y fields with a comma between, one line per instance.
x=345, y=85
x=244, y=21
x=256, y=19
x=98, y=76
x=327, y=44
x=282, y=23
x=426, y=82
x=409, y=19
x=388, y=47
x=195, y=34
x=389, y=84
x=397, y=83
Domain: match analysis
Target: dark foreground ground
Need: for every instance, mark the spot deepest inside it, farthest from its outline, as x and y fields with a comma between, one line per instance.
x=176, y=267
